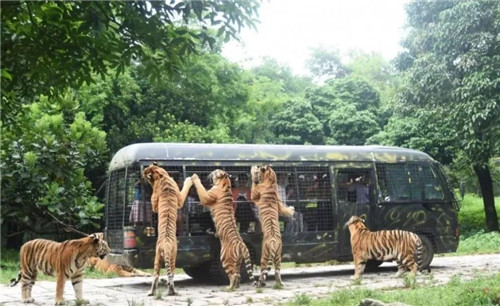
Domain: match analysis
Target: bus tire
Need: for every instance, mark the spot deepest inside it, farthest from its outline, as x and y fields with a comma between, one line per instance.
x=200, y=272
x=373, y=264
x=428, y=253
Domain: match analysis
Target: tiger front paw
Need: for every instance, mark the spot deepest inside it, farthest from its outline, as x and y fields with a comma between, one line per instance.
x=195, y=177
x=60, y=302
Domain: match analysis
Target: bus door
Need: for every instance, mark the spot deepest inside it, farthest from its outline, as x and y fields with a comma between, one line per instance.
x=354, y=196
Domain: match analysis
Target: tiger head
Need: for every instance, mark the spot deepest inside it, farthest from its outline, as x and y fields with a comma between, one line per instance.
x=263, y=174
x=153, y=173
x=355, y=223
x=220, y=178
x=100, y=247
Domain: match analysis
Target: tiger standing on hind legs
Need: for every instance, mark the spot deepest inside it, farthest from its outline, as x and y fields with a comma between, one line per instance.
x=403, y=246
x=165, y=200
x=265, y=195
x=220, y=201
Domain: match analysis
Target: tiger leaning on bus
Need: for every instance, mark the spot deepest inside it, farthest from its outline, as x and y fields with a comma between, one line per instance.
x=265, y=195
x=403, y=246
x=220, y=201
x=165, y=200
x=64, y=259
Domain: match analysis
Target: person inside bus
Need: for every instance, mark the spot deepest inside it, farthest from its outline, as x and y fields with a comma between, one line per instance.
x=359, y=186
x=200, y=219
x=245, y=210
x=292, y=223
x=141, y=210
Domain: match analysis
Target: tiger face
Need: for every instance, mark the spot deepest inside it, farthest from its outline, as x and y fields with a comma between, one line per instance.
x=220, y=178
x=100, y=246
x=355, y=223
x=153, y=173
x=262, y=174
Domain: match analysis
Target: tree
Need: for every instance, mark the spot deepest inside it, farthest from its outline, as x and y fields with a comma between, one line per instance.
x=324, y=65
x=349, y=126
x=422, y=130
x=295, y=123
x=270, y=85
x=43, y=166
x=342, y=98
x=49, y=46
x=452, y=61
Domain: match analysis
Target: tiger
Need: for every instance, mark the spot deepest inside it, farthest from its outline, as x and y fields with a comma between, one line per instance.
x=403, y=246
x=166, y=199
x=220, y=201
x=104, y=266
x=64, y=259
x=265, y=195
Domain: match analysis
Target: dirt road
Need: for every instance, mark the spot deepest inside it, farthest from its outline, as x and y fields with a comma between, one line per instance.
x=314, y=281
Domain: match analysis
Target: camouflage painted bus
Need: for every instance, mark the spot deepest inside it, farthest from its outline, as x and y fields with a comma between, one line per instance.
x=393, y=188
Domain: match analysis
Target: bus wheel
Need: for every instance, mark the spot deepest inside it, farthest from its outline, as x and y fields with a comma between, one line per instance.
x=373, y=264
x=428, y=254
x=200, y=272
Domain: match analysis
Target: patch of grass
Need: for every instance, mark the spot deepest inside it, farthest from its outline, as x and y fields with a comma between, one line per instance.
x=471, y=216
x=302, y=299
x=481, y=291
x=480, y=242
x=410, y=281
x=259, y=290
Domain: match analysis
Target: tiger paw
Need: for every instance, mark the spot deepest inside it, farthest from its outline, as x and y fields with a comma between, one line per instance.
x=28, y=300
x=60, y=302
x=354, y=277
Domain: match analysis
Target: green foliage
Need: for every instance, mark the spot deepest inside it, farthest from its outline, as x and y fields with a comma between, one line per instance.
x=350, y=126
x=302, y=299
x=480, y=242
x=324, y=64
x=43, y=164
x=295, y=123
x=422, y=130
x=471, y=216
x=49, y=46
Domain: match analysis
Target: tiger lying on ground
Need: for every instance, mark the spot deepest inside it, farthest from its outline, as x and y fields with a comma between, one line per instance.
x=66, y=259
x=165, y=200
x=265, y=195
x=220, y=201
x=403, y=246
x=104, y=266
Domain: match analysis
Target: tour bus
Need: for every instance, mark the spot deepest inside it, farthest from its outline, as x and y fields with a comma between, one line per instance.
x=390, y=187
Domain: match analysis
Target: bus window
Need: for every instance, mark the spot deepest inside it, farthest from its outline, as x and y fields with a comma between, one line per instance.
x=353, y=186
x=433, y=189
x=312, y=193
x=197, y=217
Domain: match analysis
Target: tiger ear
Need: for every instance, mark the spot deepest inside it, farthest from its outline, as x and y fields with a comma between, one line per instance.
x=155, y=163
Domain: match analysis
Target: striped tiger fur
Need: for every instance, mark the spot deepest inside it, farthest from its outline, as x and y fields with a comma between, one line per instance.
x=220, y=201
x=403, y=246
x=265, y=195
x=66, y=260
x=104, y=266
x=166, y=199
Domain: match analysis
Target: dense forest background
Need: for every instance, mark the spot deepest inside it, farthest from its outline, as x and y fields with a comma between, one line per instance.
x=80, y=80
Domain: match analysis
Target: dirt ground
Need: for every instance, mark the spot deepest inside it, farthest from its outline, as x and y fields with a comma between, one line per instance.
x=318, y=281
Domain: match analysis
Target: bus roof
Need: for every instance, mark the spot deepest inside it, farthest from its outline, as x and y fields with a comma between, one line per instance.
x=259, y=153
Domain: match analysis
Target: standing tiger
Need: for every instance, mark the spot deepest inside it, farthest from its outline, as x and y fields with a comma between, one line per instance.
x=220, y=201
x=64, y=259
x=165, y=200
x=265, y=195
x=403, y=246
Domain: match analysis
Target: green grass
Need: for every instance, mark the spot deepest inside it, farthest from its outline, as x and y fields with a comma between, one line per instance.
x=481, y=291
x=471, y=216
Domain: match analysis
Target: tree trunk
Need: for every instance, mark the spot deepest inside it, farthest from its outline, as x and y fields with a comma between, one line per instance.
x=484, y=176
